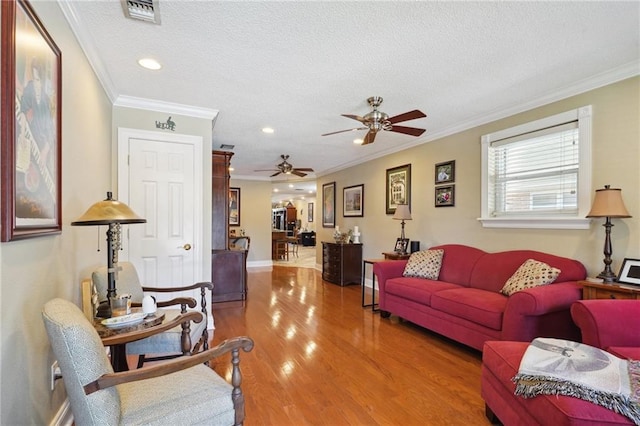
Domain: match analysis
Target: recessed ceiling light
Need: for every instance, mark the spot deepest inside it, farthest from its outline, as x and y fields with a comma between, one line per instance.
x=231, y=169
x=358, y=141
x=150, y=64
x=290, y=185
x=267, y=130
x=275, y=190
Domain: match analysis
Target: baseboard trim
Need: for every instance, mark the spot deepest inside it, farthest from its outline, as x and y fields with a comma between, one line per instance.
x=64, y=416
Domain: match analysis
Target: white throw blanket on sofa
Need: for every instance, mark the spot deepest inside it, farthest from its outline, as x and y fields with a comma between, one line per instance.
x=561, y=367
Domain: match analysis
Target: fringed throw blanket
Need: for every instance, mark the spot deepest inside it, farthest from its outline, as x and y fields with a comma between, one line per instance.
x=562, y=367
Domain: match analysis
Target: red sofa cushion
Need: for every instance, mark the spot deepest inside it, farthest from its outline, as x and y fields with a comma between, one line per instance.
x=493, y=270
x=502, y=359
x=480, y=306
x=458, y=262
x=417, y=289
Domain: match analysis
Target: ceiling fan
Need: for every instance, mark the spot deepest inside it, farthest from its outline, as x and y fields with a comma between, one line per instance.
x=378, y=120
x=286, y=168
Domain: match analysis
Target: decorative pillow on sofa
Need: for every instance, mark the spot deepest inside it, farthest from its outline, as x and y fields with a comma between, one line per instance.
x=531, y=273
x=424, y=264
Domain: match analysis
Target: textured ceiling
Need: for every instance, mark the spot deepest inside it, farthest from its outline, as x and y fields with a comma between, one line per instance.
x=296, y=66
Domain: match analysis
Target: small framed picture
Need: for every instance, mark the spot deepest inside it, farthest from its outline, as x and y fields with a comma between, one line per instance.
x=234, y=206
x=329, y=205
x=401, y=245
x=310, y=212
x=445, y=172
x=629, y=272
x=353, y=201
x=445, y=196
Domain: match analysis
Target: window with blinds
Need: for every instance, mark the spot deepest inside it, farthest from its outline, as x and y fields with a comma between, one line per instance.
x=538, y=174
x=535, y=172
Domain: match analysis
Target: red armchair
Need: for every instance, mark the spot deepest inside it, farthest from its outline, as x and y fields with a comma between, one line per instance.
x=611, y=325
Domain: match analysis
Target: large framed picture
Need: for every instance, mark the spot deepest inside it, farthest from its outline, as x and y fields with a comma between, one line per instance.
x=329, y=205
x=629, y=272
x=353, y=201
x=398, y=187
x=445, y=172
x=234, y=206
x=30, y=143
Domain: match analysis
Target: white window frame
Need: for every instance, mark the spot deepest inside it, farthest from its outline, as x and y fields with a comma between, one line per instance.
x=578, y=221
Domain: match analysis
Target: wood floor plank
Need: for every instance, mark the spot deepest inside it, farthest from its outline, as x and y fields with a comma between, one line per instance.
x=322, y=359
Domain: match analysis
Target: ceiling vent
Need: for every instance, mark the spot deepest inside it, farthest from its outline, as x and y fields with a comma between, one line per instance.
x=142, y=10
x=227, y=146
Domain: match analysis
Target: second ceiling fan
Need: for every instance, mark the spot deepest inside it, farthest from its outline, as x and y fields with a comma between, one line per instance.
x=287, y=168
x=376, y=121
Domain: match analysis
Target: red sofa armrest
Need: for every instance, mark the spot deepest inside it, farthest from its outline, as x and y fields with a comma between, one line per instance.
x=540, y=311
x=608, y=322
x=385, y=271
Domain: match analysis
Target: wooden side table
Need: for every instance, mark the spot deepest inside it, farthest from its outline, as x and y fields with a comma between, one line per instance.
x=395, y=255
x=592, y=290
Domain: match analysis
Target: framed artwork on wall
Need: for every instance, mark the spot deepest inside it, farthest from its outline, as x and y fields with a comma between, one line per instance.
x=353, y=201
x=398, y=187
x=329, y=205
x=310, y=212
x=445, y=196
x=445, y=172
x=234, y=206
x=30, y=144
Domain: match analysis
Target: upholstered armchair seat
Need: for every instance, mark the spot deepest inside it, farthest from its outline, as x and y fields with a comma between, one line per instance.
x=182, y=391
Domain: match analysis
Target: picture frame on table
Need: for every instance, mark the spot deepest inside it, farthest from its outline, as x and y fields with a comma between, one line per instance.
x=629, y=272
x=445, y=172
x=353, y=201
x=310, y=212
x=234, y=206
x=329, y=205
x=398, y=187
x=31, y=123
x=401, y=245
x=445, y=196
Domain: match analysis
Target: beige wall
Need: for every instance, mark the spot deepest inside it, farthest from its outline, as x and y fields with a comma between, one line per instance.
x=616, y=150
x=255, y=218
x=38, y=269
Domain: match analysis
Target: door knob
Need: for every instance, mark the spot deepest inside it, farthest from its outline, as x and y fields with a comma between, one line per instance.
x=186, y=247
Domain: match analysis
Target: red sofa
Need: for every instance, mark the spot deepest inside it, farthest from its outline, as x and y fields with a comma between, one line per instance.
x=465, y=303
x=611, y=325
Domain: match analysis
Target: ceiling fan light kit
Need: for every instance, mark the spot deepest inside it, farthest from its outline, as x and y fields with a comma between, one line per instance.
x=376, y=121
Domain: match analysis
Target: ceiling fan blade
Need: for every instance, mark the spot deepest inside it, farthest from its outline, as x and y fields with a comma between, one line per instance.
x=369, y=138
x=411, y=115
x=413, y=131
x=297, y=172
x=275, y=174
x=303, y=169
x=342, y=131
x=354, y=117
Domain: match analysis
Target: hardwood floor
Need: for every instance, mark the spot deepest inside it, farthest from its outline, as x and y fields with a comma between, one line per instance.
x=322, y=359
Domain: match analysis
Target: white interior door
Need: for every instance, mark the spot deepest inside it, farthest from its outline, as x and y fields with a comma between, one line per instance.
x=162, y=182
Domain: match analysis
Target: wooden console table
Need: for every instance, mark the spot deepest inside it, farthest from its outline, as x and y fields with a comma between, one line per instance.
x=394, y=255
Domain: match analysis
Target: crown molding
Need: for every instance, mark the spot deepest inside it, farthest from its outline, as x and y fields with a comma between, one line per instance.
x=166, y=107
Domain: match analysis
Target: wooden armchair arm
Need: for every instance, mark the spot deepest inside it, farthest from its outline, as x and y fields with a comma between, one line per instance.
x=202, y=285
x=131, y=336
x=231, y=345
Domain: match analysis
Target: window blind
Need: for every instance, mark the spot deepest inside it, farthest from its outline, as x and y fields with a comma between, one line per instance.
x=535, y=172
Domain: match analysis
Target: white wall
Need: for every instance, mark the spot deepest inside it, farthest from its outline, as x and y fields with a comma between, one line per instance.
x=35, y=270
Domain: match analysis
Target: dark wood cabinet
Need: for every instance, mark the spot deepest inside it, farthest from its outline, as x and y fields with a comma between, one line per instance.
x=342, y=263
x=229, y=275
x=228, y=267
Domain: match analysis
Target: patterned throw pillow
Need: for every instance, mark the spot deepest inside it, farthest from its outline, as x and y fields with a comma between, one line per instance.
x=531, y=273
x=424, y=264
